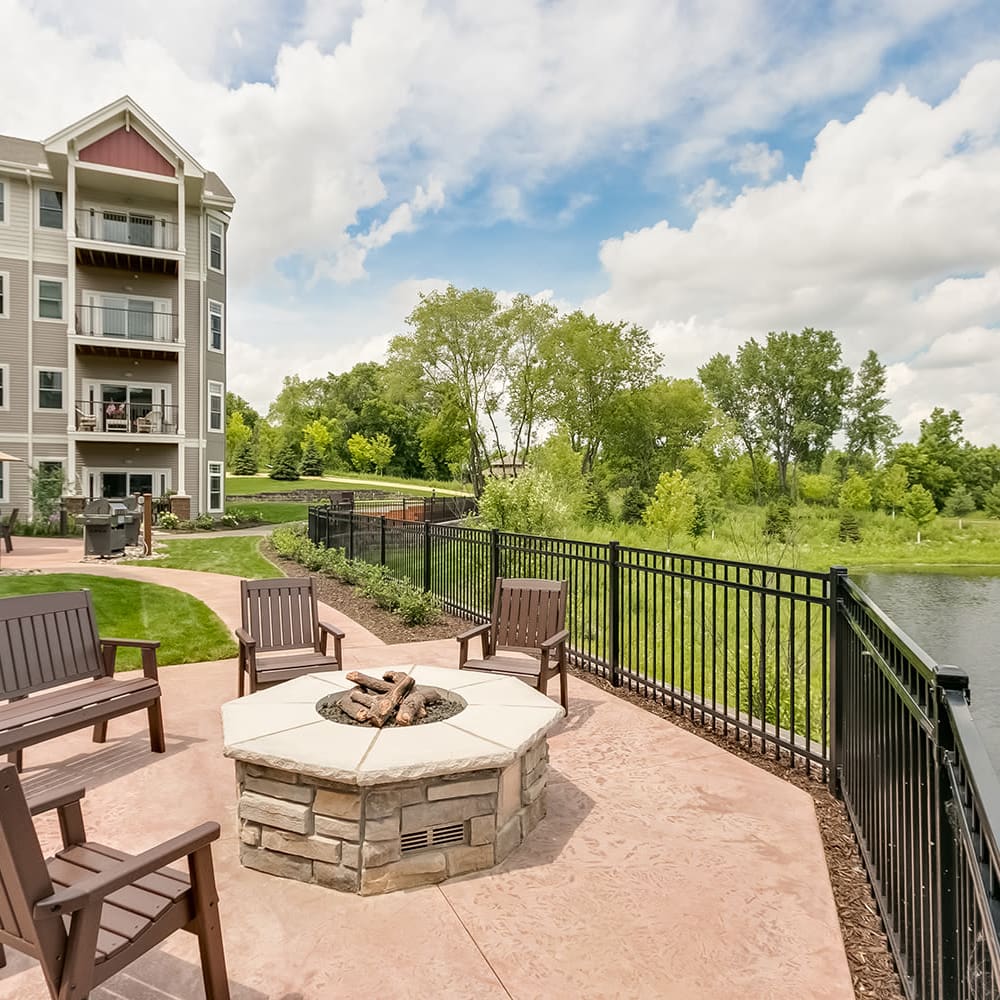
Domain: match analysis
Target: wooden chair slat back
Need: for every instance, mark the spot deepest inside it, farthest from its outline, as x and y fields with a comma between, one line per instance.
x=526, y=612
x=24, y=880
x=280, y=614
x=47, y=640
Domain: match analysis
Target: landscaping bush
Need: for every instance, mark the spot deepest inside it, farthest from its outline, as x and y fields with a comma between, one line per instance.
x=229, y=521
x=286, y=464
x=411, y=604
x=168, y=521
x=204, y=522
x=634, y=504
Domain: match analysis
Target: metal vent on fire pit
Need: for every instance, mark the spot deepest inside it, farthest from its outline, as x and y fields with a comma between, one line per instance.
x=436, y=836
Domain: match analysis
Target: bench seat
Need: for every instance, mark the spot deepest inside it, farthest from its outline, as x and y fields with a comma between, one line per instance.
x=54, y=713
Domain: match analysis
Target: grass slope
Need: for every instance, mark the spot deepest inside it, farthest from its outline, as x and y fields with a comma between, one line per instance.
x=188, y=630
x=234, y=555
x=237, y=486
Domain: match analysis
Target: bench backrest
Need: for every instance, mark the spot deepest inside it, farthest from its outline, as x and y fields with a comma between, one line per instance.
x=280, y=614
x=24, y=880
x=47, y=640
x=8, y=525
x=526, y=613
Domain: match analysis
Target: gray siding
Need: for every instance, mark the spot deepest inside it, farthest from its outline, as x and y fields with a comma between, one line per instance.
x=14, y=349
x=104, y=279
x=195, y=399
x=192, y=243
x=195, y=476
x=14, y=230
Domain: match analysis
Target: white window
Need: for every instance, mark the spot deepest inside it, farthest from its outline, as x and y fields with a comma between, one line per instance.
x=215, y=418
x=4, y=294
x=50, y=208
x=49, y=300
x=4, y=387
x=4, y=482
x=216, y=326
x=3, y=202
x=216, y=246
x=50, y=388
x=215, y=487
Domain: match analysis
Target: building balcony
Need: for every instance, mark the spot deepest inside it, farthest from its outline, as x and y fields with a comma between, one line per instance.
x=135, y=331
x=113, y=419
x=126, y=240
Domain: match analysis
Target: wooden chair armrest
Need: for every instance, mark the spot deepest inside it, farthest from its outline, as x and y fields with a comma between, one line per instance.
x=132, y=643
x=470, y=633
x=554, y=640
x=110, y=647
x=244, y=638
x=337, y=633
x=46, y=801
x=483, y=631
x=100, y=885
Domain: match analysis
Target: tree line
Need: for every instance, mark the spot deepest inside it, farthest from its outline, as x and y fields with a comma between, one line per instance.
x=473, y=380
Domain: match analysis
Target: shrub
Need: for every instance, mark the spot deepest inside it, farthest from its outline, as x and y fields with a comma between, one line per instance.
x=204, y=522
x=991, y=501
x=286, y=464
x=312, y=460
x=531, y=504
x=168, y=521
x=245, y=461
x=229, y=521
x=850, y=527
x=634, y=504
x=595, y=504
x=416, y=607
x=778, y=519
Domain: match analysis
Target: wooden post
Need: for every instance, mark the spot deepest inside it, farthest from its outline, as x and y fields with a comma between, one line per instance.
x=147, y=522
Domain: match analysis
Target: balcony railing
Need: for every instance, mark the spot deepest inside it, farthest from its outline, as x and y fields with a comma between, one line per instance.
x=132, y=229
x=127, y=324
x=126, y=418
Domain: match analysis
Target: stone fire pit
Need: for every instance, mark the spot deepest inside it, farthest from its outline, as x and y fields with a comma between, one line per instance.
x=373, y=810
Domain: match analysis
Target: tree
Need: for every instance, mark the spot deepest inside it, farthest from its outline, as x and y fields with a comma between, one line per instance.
x=958, y=504
x=245, y=461
x=591, y=364
x=380, y=452
x=360, y=451
x=634, y=504
x=527, y=322
x=286, y=462
x=815, y=487
x=892, y=489
x=935, y=461
x=321, y=436
x=312, y=460
x=855, y=494
x=870, y=430
x=991, y=501
x=919, y=507
x=458, y=350
x=672, y=510
x=298, y=402
x=237, y=404
x=786, y=395
x=444, y=444
x=238, y=434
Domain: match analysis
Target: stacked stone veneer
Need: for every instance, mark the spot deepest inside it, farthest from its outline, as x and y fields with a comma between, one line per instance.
x=351, y=837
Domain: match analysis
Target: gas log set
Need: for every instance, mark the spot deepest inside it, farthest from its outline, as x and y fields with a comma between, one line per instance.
x=392, y=699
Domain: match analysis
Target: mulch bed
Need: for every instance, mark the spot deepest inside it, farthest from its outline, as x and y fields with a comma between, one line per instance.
x=872, y=968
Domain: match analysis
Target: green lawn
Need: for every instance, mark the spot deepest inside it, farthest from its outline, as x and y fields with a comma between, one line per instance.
x=188, y=630
x=241, y=485
x=270, y=511
x=235, y=556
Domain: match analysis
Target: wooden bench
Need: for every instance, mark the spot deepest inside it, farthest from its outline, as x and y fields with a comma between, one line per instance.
x=282, y=636
x=48, y=642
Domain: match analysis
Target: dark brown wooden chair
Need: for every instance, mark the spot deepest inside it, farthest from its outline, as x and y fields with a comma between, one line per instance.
x=529, y=616
x=6, y=527
x=282, y=636
x=90, y=911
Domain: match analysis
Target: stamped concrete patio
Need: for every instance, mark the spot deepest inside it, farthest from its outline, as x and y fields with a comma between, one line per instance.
x=664, y=868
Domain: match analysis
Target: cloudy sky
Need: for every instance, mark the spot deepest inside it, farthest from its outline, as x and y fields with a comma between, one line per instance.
x=711, y=169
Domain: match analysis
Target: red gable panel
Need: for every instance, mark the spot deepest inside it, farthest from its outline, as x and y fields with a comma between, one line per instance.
x=127, y=149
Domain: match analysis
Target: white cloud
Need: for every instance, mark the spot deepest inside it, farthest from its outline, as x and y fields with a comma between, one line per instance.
x=758, y=160
x=890, y=237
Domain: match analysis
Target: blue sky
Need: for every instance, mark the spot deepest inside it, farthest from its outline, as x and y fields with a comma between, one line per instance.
x=711, y=170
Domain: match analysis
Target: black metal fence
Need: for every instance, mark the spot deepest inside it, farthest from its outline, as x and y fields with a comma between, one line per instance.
x=806, y=664
x=924, y=800
x=742, y=648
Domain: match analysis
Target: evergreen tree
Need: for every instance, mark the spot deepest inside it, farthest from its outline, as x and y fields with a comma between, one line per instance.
x=312, y=460
x=244, y=461
x=919, y=507
x=991, y=501
x=634, y=504
x=286, y=463
x=870, y=430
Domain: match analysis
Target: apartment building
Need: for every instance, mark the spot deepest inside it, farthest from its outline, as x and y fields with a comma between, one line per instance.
x=113, y=313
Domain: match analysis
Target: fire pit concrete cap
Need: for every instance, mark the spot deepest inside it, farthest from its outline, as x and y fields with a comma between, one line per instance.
x=280, y=728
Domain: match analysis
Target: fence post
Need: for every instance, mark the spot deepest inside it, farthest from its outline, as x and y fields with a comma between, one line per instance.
x=427, y=557
x=381, y=540
x=953, y=932
x=329, y=522
x=614, y=615
x=494, y=560
x=836, y=695
x=350, y=536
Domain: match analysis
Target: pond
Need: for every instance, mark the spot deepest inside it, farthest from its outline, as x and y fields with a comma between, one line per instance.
x=954, y=614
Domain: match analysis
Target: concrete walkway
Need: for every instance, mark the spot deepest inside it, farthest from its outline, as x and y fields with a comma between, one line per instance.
x=664, y=868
